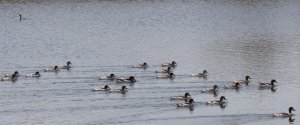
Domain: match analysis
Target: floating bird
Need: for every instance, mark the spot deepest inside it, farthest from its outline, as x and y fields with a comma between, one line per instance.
x=285, y=114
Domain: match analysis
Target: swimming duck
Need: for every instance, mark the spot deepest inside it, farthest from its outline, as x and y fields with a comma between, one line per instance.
x=110, y=77
x=106, y=88
x=246, y=81
x=186, y=96
x=68, y=66
x=122, y=90
x=168, y=70
x=235, y=86
x=217, y=102
x=36, y=74
x=131, y=79
x=55, y=69
x=12, y=77
x=16, y=73
x=268, y=84
x=144, y=65
x=285, y=114
x=169, y=75
x=173, y=64
x=203, y=74
x=188, y=103
x=213, y=90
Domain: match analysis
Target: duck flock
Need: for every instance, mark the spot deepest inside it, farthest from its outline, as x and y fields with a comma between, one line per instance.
x=165, y=72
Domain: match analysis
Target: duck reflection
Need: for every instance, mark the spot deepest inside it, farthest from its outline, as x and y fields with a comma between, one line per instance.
x=291, y=120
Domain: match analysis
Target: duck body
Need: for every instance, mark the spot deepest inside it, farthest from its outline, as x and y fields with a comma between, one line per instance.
x=283, y=114
x=9, y=78
x=110, y=77
x=189, y=103
x=122, y=90
x=246, y=81
x=217, y=102
x=131, y=79
x=235, y=86
x=144, y=65
x=55, y=69
x=172, y=64
x=106, y=88
x=203, y=74
x=168, y=70
x=68, y=66
x=169, y=75
x=268, y=85
x=213, y=90
x=186, y=96
x=36, y=74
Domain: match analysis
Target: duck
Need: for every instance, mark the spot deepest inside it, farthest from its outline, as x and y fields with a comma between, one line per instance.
x=55, y=69
x=265, y=85
x=122, y=90
x=9, y=75
x=131, y=79
x=188, y=103
x=203, y=74
x=36, y=74
x=235, y=86
x=105, y=88
x=217, y=102
x=285, y=114
x=68, y=66
x=246, y=81
x=12, y=77
x=168, y=70
x=110, y=77
x=144, y=65
x=213, y=90
x=172, y=64
x=169, y=75
x=186, y=96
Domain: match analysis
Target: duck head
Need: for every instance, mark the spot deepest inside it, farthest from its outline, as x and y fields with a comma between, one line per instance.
x=291, y=109
x=55, y=67
x=112, y=75
x=16, y=72
x=174, y=63
x=37, y=73
x=216, y=87
x=145, y=64
x=106, y=87
x=172, y=75
x=273, y=81
x=187, y=94
x=247, y=78
x=222, y=98
x=69, y=63
x=131, y=78
x=191, y=101
x=169, y=69
x=124, y=88
x=204, y=71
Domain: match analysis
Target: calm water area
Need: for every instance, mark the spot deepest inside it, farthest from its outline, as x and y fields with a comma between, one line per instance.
x=228, y=38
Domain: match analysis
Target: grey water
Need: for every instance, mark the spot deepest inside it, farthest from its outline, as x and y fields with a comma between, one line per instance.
x=228, y=38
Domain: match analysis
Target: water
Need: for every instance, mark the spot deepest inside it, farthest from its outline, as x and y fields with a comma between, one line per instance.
x=230, y=39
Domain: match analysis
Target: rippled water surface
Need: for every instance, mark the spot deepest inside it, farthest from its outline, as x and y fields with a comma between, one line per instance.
x=229, y=38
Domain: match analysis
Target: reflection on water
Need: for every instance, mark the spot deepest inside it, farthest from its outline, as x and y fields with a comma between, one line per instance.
x=230, y=39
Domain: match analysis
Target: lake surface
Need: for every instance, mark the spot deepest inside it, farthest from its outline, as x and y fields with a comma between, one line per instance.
x=229, y=38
